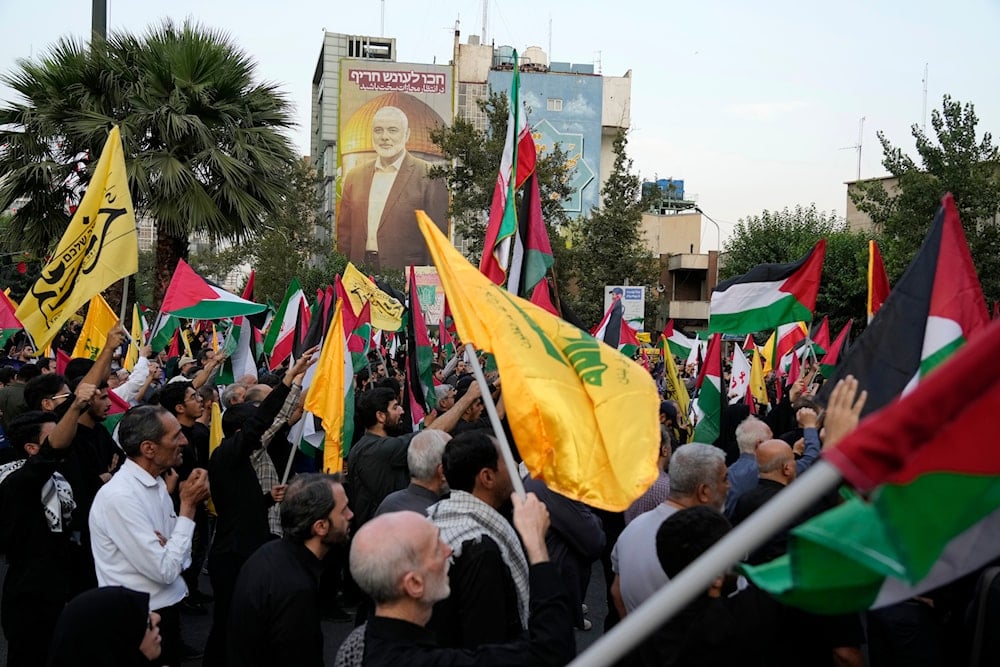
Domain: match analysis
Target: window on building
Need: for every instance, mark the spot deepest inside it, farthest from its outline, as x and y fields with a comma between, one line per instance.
x=553, y=104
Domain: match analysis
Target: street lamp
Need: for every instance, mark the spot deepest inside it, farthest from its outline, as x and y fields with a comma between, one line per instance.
x=718, y=240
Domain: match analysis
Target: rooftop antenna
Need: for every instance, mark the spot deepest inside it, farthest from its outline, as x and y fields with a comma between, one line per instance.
x=486, y=15
x=381, y=28
x=550, y=37
x=857, y=146
x=597, y=61
x=923, y=116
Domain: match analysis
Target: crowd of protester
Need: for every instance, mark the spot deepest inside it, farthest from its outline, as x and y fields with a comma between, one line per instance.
x=421, y=541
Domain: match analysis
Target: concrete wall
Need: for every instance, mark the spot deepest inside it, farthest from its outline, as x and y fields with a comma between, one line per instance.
x=857, y=220
x=672, y=234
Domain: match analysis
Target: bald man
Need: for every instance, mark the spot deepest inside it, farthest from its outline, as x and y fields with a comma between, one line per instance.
x=400, y=560
x=376, y=222
x=776, y=470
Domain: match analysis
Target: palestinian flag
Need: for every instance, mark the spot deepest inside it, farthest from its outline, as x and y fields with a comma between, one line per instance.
x=832, y=356
x=821, y=337
x=447, y=342
x=280, y=336
x=419, y=386
x=191, y=296
x=9, y=324
x=239, y=348
x=616, y=332
x=768, y=295
x=680, y=345
x=933, y=309
x=934, y=488
x=532, y=257
x=878, y=282
x=709, y=403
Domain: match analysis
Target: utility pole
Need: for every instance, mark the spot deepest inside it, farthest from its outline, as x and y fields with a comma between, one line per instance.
x=99, y=19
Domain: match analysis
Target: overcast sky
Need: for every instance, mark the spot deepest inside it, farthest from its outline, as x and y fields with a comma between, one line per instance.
x=752, y=104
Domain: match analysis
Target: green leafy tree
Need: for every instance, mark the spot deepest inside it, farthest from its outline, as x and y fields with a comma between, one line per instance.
x=471, y=171
x=608, y=246
x=786, y=236
x=953, y=159
x=205, y=143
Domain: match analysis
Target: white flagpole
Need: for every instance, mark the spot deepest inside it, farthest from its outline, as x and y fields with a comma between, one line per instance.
x=697, y=577
x=491, y=410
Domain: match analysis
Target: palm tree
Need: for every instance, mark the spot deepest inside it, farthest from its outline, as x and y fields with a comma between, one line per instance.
x=205, y=144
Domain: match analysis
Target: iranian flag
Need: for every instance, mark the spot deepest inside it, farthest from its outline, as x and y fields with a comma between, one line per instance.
x=708, y=407
x=933, y=309
x=615, y=331
x=519, y=152
x=191, y=296
x=768, y=295
x=933, y=484
x=9, y=324
x=680, y=345
x=280, y=336
x=786, y=338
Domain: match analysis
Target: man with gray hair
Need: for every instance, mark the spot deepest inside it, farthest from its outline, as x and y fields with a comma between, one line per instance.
x=402, y=562
x=743, y=473
x=376, y=224
x=427, y=482
x=137, y=539
x=275, y=615
x=697, y=477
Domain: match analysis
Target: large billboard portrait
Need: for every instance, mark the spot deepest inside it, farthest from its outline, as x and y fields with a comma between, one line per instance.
x=387, y=112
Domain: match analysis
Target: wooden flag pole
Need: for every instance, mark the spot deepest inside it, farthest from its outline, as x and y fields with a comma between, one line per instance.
x=491, y=410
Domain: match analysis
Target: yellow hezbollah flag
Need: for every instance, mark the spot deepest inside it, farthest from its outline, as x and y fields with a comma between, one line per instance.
x=675, y=386
x=757, y=388
x=132, y=355
x=214, y=440
x=387, y=312
x=99, y=247
x=584, y=416
x=94, y=333
x=768, y=348
x=329, y=395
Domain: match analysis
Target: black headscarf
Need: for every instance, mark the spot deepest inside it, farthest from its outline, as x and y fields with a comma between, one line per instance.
x=102, y=627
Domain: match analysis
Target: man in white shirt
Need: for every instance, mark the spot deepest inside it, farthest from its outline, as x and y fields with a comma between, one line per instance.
x=137, y=539
x=376, y=223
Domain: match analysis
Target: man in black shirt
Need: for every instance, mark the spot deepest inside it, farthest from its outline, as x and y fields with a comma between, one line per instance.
x=400, y=560
x=275, y=617
x=35, y=507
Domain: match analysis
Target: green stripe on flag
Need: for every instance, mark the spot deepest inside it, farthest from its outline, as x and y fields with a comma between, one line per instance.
x=936, y=359
x=785, y=310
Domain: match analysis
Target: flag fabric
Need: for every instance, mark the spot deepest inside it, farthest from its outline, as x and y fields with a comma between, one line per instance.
x=832, y=356
x=934, y=489
x=768, y=352
x=757, y=387
x=116, y=411
x=445, y=339
x=419, y=385
x=709, y=404
x=676, y=388
x=100, y=246
x=739, y=376
x=821, y=337
x=191, y=296
x=586, y=418
x=94, y=332
x=786, y=339
x=768, y=295
x=387, y=310
x=138, y=332
x=532, y=257
x=9, y=324
x=516, y=162
x=615, y=331
x=933, y=309
x=62, y=359
x=239, y=349
x=680, y=345
x=281, y=334
x=331, y=393
x=878, y=282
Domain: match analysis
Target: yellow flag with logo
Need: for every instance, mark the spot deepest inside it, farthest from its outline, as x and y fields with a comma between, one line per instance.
x=136, y=332
x=387, y=311
x=584, y=416
x=94, y=332
x=757, y=387
x=99, y=247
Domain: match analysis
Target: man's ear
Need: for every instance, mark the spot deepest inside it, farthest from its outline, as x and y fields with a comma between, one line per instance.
x=31, y=448
x=413, y=585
